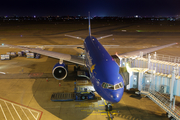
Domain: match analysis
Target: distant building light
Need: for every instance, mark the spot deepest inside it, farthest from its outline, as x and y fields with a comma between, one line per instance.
x=136, y=16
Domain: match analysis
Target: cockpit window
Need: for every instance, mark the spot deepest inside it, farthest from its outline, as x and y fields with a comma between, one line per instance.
x=113, y=87
x=121, y=84
x=117, y=86
x=104, y=85
x=108, y=86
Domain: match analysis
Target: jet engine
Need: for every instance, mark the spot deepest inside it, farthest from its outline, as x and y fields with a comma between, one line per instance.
x=59, y=71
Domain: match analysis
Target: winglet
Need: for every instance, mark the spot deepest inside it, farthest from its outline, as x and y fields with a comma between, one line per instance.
x=89, y=25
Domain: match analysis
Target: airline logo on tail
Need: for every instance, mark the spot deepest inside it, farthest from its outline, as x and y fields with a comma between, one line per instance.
x=92, y=67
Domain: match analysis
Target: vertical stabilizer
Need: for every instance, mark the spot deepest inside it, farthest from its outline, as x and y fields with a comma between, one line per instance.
x=89, y=25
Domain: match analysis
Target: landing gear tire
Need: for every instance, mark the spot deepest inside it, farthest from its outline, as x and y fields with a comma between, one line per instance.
x=171, y=118
x=76, y=68
x=108, y=107
x=83, y=97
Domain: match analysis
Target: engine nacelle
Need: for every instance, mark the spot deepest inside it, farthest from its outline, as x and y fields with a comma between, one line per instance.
x=59, y=71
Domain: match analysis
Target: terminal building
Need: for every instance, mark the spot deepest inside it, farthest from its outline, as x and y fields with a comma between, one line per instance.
x=155, y=76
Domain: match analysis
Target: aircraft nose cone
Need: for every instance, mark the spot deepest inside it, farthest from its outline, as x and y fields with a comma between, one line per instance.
x=115, y=97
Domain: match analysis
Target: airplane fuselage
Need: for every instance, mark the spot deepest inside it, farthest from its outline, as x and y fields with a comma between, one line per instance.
x=104, y=71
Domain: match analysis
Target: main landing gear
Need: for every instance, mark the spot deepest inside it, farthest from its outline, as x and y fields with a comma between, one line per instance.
x=76, y=68
x=108, y=107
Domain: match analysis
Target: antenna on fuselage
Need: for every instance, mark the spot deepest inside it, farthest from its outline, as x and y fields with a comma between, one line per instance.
x=89, y=25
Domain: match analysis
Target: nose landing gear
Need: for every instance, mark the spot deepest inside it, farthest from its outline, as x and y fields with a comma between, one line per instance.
x=108, y=107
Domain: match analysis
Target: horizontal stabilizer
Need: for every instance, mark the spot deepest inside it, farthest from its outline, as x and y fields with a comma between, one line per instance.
x=104, y=36
x=75, y=37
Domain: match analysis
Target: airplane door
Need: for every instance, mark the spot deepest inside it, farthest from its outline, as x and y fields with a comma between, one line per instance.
x=135, y=80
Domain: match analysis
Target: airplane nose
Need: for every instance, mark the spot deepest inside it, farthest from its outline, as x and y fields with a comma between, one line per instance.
x=115, y=97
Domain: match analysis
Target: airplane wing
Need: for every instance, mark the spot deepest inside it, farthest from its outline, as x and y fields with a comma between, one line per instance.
x=81, y=61
x=140, y=52
x=61, y=56
x=83, y=38
x=58, y=46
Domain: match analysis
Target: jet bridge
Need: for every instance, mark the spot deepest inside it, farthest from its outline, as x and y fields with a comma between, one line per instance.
x=156, y=77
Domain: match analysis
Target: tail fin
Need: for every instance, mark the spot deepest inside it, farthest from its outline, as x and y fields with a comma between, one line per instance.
x=89, y=25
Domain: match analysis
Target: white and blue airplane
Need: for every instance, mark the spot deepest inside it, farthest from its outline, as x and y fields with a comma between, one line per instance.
x=103, y=70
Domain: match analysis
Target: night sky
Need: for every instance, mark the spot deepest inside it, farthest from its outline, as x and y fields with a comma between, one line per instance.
x=96, y=7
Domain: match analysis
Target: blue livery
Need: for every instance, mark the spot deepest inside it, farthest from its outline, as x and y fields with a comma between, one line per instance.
x=103, y=70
